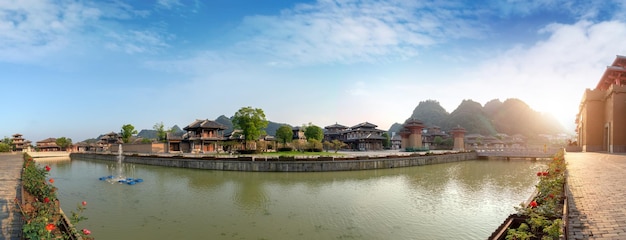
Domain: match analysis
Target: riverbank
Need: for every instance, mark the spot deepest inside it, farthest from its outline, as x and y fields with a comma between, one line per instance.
x=284, y=164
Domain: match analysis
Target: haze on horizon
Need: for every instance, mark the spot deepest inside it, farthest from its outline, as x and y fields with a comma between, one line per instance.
x=78, y=69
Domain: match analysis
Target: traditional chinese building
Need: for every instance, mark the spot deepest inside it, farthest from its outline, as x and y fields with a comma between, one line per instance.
x=48, y=145
x=201, y=136
x=19, y=143
x=364, y=137
x=334, y=132
x=411, y=134
x=601, y=118
x=458, y=134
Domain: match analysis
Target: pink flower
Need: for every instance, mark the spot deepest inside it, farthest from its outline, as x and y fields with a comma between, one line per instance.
x=84, y=203
x=86, y=231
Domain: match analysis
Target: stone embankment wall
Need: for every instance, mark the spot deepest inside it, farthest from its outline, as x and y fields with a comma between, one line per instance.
x=273, y=165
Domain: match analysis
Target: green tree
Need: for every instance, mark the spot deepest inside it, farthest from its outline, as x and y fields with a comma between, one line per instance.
x=284, y=134
x=314, y=145
x=161, y=132
x=251, y=121
x=63, y=142
x=386, y=141
x=336, y=144
x=314, y=132
x=4, y=147
x=438, y=140
x=128, y=131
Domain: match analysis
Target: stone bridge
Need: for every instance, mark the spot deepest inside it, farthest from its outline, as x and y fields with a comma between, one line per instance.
x=516, y=152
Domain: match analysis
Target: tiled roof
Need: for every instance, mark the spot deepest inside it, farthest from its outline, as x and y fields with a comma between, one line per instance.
x=364, y=125
x=205, y=124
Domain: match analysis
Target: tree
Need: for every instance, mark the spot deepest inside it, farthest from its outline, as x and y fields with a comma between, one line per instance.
x=314, y=132
x=128, y=131
x=63, y=142
x=336, y=144
x=4, y=147
x=161, y=132
x=314, y=145
x=251, y=121
x=437, y=141
x=284, y=134
x=386, y=141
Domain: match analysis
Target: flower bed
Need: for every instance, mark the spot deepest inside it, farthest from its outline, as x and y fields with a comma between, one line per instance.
x=541, y=217
x=43, y=217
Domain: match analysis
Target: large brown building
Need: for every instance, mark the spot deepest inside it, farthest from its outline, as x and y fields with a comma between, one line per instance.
x=601, y=119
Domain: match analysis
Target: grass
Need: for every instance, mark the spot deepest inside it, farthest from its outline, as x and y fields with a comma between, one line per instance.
x=296, y=154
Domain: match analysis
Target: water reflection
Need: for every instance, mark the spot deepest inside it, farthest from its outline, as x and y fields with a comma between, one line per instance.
x=464, y=200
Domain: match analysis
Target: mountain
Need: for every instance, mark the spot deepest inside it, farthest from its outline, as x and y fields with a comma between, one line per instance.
x=147, y=133
x=430, y=112
x=470, y=115
x=152, y=134
x=511, y=117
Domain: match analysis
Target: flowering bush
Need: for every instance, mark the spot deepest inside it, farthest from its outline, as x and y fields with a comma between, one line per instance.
x=545, y=210
x=40, y=208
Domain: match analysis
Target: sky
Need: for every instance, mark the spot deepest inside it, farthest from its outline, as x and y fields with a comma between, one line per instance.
x=79, y=69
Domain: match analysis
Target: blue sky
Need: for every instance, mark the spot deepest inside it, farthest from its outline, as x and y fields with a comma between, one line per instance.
x=78, y=69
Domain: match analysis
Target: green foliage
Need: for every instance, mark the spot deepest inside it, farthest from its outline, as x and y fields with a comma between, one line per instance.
x=314, y=132
x=7, y=140
x=5, y=147
x=386, y=141
x=314, y=145
x=521, y=233
x=161, y=132
x=251, y=121
x=336, y=145
x=63, y=142
x=284, y=134
x=146, y=140
x=127, y=131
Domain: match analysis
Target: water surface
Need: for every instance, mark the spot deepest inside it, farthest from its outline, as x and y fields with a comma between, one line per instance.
x=463, y=200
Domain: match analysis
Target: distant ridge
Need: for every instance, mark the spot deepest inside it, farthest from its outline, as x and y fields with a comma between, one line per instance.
x=513, y=116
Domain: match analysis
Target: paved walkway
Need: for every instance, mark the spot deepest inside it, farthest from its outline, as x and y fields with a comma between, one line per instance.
x=10, y=217
x=597, y=193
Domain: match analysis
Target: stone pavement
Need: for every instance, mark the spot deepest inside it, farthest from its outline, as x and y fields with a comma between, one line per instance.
x=10, y=216
x=597, y=195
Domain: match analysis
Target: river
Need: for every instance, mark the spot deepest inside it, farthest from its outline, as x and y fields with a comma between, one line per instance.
x=462, y=200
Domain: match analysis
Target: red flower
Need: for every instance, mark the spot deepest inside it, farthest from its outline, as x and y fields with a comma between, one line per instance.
x=47, y=168
x=544, y=174
x=539, y=174
x=50, y=227
x=86, y=231
x=46, y=200
x=533, y=204
x=51, y=180
x=551, y=195
x=84, y=203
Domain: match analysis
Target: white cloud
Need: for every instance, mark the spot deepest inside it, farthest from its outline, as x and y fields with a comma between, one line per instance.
x=135, y=41
x=169, y=3
x=550, y=75
x=31, y=29
x=355, y=31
